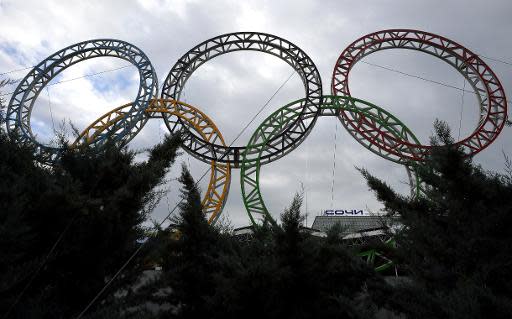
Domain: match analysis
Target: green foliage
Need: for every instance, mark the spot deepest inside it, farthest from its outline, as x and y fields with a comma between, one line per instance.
x=91, y=205
x=281, y=272
x=456, y=237
x=190, y=261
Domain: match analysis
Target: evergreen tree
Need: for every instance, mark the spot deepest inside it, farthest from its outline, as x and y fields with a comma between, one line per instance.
x=80, y=220
x=191, y=259
x=285, y=272
x=282, y=272
x=188, y=251
x=456, y=238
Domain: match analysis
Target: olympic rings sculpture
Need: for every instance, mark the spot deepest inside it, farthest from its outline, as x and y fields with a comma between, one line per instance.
x=373, y=127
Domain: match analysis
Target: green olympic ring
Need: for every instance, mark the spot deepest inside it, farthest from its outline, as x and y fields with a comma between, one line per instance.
x=275, y=123
x=278, y=121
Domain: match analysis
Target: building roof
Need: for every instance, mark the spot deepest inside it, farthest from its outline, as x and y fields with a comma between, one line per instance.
x=352, y=224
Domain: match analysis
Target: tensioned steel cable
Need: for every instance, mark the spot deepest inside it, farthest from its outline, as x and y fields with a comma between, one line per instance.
x=365, y=62
x=480, y=55
x=494, y=59
x=423, y=78
x=334, y=163
x=30, y=67
x=77, y=78
x=50, y=107
x=179, y=202
x=161, y=223
x=461, y=108
x=368, y=63
x=17, y=70
x=306, y=189
x=54, y=246
x=45, y=260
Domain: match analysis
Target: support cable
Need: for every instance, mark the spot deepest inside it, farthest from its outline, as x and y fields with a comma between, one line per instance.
x=368, y=63
x=461, y=109
x=422, y=78
x=77, y=78
x=16, y=70
x=38, y=270
x=50, y=107
x=494, y=59
x=334, y=163
x=307, y=182
x=480, y=55
x=184, y=93
x=176, y=206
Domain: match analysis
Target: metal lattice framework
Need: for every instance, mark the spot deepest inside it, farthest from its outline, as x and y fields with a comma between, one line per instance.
x=377, y=258
x=291, y=135
x=488, y=89
x=274, y=124
x=21, y=104
x=373, y=127
x=220, y=177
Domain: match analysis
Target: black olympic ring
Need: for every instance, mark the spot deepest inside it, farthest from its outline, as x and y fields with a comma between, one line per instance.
x=291, y=136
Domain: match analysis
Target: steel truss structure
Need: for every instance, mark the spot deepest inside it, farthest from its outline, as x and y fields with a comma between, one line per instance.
x=373, y=127
x=273, y=124
x=375, y=257
x=291, y=135
x=20, y=106
x=488, y=89
x=220, y=177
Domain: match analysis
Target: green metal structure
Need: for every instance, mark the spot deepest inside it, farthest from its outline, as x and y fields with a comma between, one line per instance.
x=274, y=124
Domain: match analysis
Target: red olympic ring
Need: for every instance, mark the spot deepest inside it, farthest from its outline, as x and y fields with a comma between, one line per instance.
x=489, y=91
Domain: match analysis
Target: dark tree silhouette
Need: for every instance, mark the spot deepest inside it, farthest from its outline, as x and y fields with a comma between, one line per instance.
x=456, y=237
x=281, y=272
x=65, y=229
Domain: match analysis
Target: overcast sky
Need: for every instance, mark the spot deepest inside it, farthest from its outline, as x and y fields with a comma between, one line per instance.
x=232, y=88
